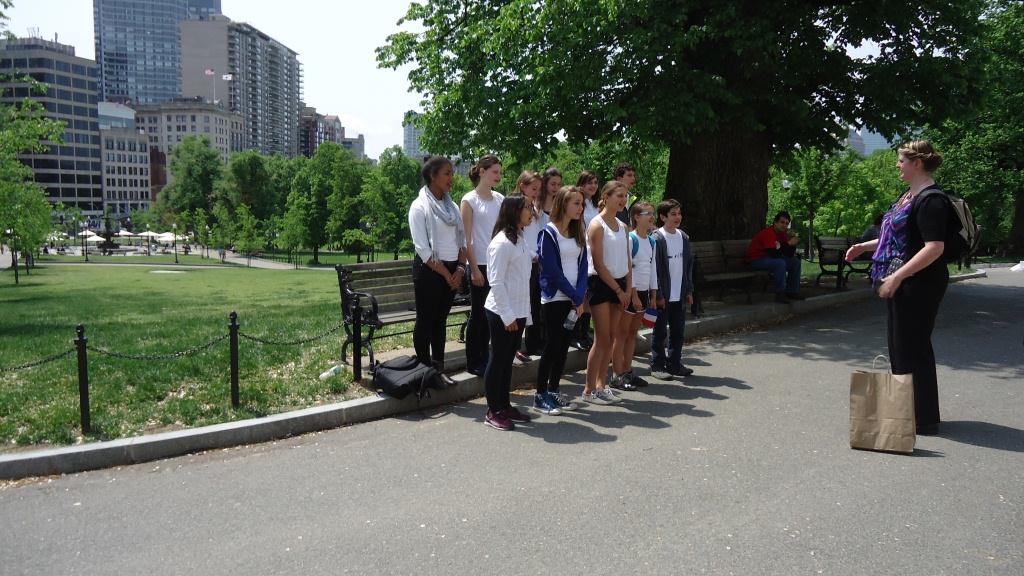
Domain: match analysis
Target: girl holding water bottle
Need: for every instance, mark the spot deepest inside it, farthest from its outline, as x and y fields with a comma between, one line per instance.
x=562, y=250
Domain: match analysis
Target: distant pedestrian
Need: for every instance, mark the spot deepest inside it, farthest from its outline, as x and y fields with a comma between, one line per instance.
x=507, y=308
x=563, y=283
x=479, y=210
x=911, y=275
x=439, y=266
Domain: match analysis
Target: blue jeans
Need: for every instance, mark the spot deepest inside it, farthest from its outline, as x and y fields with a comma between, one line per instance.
x=671, y=324
x=785, y=272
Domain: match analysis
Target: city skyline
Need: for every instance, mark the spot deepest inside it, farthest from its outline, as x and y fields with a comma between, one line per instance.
x=368, y=100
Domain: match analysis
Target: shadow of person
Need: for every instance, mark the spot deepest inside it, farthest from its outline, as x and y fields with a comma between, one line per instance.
x=717, y=381
x=984, y=434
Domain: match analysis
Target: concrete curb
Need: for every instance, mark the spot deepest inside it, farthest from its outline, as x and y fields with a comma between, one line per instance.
x=138, y=449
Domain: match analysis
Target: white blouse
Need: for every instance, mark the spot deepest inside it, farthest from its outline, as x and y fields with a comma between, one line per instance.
x=508, y=272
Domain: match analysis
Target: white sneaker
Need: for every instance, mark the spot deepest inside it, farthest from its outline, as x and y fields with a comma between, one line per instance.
x=608, y=396
x=596, y=398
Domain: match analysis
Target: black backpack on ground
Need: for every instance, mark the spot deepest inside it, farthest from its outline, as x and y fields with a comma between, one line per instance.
x=405, y=375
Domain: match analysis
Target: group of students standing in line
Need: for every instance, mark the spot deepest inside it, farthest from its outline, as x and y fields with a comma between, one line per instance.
x=544, y=261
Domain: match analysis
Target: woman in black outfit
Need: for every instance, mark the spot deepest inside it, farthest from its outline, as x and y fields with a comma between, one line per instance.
x=910, y=273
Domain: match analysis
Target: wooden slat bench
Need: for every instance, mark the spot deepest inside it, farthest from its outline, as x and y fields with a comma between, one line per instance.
x=722, y=263
x=386, y=297
x=832, y=262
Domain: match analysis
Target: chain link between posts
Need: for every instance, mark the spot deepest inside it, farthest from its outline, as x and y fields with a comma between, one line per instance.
x=269, y=342
x=40, y=362
x=169, y=356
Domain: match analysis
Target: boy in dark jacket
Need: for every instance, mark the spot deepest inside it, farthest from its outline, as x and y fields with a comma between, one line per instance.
x=673, y=259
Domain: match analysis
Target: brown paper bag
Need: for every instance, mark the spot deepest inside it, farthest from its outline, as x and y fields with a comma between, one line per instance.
x=882, y=411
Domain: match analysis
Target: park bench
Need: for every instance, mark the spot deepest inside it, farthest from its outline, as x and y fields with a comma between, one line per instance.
x=722, y=263
x=379, y=294
x=832, y=260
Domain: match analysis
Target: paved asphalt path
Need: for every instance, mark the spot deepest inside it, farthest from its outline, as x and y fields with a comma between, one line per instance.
x=743, y=469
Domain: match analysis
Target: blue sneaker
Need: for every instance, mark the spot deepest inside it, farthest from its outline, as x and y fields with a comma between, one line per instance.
x=564, y=401
x=547, y=404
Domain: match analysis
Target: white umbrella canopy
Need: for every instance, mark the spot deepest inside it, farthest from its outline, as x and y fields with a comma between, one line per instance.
x=166, y=237
x=94, y=239
x=148, y=234
x=86, y=233
x=124, y=233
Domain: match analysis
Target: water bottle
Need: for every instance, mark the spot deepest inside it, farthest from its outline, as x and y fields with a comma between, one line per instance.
x=332, y=371
x=570, y=320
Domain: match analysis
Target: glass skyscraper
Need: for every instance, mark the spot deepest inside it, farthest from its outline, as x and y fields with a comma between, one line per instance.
x=138, y=46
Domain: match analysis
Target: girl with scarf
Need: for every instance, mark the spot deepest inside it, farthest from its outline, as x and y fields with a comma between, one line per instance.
x=440, y=263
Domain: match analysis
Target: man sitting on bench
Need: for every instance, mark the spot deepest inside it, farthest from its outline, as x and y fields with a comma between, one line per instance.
x=774, y=249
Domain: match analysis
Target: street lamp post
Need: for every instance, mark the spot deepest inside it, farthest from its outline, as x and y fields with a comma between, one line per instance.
x=148, y=240
x=174, y=231
x=85, y=249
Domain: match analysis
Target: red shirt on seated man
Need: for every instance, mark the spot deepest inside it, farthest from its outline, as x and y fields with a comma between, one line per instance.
x=773, y=249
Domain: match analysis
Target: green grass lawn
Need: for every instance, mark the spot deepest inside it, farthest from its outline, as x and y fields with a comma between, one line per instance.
x=134, y=310
x=326, y=258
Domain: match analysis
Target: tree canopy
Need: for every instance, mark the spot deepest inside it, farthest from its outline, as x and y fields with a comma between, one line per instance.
x=722, y=84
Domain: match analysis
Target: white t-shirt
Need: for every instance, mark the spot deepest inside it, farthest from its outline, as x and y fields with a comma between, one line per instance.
x=532, y=235
x=674, y=244
x=615, y=247
x=569, y=254
x=485, y=214
x=644, y=276
x=589, y=212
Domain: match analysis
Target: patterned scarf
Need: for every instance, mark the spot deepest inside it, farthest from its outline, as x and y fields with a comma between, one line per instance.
x=892, y=241
x=443, y=210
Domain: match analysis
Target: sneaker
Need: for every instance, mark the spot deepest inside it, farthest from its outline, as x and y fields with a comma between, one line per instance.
x=516, y=415
x=546, y=404
x=660, y=373
x=520, y=359
x=564, y=401
x=609, y=396
x=680, y=370
x=622, y=382
x=636, y=380
x=497, y=420
x=595, y=398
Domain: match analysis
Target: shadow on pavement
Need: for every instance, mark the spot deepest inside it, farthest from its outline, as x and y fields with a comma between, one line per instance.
x=984, y=434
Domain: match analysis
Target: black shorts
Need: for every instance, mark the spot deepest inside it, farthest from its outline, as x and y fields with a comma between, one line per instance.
x=645, y=301
x=601, y=293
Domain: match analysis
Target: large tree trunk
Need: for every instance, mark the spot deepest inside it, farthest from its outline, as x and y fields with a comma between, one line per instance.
x=1016, y=239
x=721, y=179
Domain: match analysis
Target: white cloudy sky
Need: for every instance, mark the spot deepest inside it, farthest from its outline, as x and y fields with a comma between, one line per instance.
x=335, y=41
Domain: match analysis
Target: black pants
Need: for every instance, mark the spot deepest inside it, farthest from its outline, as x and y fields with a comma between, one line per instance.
x=552, y=362
x=912, y=313
x=433, y=303
x=477, y=332
x=498, y=375
x=671, y=326
x=535, y=333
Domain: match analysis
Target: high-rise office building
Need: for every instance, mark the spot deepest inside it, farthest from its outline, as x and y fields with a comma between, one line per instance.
x=316, y=128
x=69, y=171
x=252, y=73
x=138, y=46
x=411, y=137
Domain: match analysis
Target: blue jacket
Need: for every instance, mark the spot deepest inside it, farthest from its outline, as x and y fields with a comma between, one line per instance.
x=552, y=279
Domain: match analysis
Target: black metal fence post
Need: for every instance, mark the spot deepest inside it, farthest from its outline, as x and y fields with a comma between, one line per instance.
x=233, y=331
x=357, y=344
x=83, y=379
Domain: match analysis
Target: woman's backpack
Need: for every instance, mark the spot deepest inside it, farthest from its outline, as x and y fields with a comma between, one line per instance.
x=962, y=233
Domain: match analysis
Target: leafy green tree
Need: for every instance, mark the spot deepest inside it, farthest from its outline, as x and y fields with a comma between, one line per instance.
x=282, y=171
x=721, y=84
x=346, y=213
x=223, y=230
x=295, y=223
x=307, y=203
x=248, y=239
x=246, y=182
x=984, y=152
x=24, y=213
x=195, y=167
x=387, y=192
